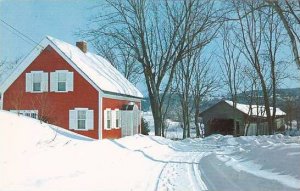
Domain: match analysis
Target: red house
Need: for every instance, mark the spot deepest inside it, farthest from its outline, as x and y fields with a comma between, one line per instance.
x=67, y=86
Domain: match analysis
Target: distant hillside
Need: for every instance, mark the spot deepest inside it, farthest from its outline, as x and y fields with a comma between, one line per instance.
x=282, y=96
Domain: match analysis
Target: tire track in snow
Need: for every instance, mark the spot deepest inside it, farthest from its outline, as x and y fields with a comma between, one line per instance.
x=195, y=174
x=160, y=177
x=182, y=172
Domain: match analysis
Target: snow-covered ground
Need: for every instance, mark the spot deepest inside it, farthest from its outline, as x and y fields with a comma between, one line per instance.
x=35, y=156
x=174, y=130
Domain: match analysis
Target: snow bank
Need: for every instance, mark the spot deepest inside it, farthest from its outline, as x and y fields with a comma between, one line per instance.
x=37, y=156
x=273, y=157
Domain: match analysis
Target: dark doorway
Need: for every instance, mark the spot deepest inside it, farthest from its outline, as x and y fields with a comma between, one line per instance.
x=221, y=126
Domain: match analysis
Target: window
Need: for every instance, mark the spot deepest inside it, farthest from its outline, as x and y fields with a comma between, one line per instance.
x=118, y=116
x=62, y=81
x=33, y=115
x=27, y=113
x=81, y=119
x=108, y=118
x=37, y=81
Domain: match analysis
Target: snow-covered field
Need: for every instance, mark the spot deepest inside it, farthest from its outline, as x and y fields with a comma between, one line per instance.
x=35, y=156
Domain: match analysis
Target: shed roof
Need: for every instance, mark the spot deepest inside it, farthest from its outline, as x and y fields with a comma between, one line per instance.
x=255, y=110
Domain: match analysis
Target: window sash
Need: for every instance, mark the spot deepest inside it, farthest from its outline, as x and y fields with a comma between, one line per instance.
x=62, y=86
x=108, y=124
x=37, y=82
x=62, y=81
x=62, y=77
x=81, y=124
x=117, y=119
x=81, y=114
x=108, y=119
x=36, y=87
x=37, y=77
x=81, y=119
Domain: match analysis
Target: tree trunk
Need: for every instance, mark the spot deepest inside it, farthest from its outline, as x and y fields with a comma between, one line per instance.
x=157, y=117
x=197, y=126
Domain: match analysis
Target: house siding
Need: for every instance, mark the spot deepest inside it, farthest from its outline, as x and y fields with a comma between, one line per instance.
x=53, y=104
x=114, y=104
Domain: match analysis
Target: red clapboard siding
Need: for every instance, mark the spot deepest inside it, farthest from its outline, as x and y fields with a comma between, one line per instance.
x=56, y=105
x=113, y=104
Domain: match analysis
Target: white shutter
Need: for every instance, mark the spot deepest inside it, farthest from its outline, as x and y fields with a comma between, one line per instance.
x=120, y=119
x=123, y=123
x=113, y=119
x=105, y=119
x=70, y=82
x=53, y=81
x=28, y=82
x=72, y=119
x=89, y=119
x=131, y=122
x=44, y=82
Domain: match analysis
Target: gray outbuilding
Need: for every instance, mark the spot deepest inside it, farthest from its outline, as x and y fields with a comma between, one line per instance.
x=223, y=118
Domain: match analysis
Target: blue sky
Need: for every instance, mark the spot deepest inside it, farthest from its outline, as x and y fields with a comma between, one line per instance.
x=38, y=18
x=60, y=19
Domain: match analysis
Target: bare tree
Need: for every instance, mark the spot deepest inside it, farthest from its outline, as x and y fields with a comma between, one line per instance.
x=259, y=36
x=6, y=66
x=45, y=108
x=183, y=80
x=231, y=67
x=17, y=99
x=289, y=14
x=121, y=58
x=156, y=33
x=204, y=83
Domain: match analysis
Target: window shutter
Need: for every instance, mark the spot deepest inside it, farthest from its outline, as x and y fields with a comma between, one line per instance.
x=53, y=81
x=70, y=83
x=105, y=119
x=28, y=82
x=120, y=119
x=113, y=119
x=72, y=119
x=90, y=119
x=122, y=113
x=45, y=82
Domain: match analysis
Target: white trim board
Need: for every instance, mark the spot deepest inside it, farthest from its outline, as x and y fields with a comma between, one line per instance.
x=120, y=97
x=100, y=135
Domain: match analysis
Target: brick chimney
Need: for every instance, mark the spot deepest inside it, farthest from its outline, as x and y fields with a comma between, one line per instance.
x=82, y=45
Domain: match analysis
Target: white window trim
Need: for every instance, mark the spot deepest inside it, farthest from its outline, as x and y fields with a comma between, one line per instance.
x=86, y=119
x=68, y=83
x=42, y=83
x=37, y=72
x=62, y=72
x=105, y=119
x=116, y=118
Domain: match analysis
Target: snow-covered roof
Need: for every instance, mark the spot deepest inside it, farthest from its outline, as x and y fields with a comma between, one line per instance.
x=255, y=110
x=98, y=69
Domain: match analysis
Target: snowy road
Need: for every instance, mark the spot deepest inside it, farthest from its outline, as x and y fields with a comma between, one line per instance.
x=218, y=176
x=194, y=165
